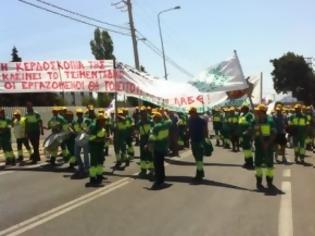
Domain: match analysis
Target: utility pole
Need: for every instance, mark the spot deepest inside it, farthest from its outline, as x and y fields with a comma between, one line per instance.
x=132, y=31
x=133, y=34
x=121, y=5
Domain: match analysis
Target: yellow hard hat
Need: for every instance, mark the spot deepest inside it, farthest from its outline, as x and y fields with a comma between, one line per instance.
x=120, y=112
x=55, y=109
x=79, y=111
x=297, y=106
x=17, y=112
x=101, y=110
x=90, y=107
x=278, y=108
x=261, y=107
x=232, y=108
x=156, y=114
x=143, y=108
x=64, y=108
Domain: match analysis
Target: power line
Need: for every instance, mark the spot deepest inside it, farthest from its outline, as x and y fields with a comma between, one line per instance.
x=72, y=18
x=81, y=15
x=146, y=42
x=170, y=61
x=154, y=48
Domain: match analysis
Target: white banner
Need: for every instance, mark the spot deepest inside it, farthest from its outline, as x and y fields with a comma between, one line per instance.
x=57, y=76
x=224, y=76
x=100, y=76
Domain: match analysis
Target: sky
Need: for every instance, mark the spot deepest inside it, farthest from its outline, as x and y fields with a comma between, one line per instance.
x=200, y=34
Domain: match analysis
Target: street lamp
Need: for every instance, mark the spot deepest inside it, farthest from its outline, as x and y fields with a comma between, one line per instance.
x=162, y=44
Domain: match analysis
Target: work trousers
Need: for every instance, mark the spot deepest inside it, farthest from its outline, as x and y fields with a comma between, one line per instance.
x=34, y=140
x=20, y=142
x=159, y=168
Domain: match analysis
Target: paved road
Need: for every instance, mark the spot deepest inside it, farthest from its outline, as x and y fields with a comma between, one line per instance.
x=37, y=200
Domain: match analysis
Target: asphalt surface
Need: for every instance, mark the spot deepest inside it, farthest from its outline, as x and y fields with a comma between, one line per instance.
x=39, y=200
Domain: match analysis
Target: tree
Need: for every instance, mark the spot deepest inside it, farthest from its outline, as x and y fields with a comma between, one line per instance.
x=102, y=45
x=19, y=99
x=292, y=74
x=88, y=100
x=102, y=48
x=15, y=56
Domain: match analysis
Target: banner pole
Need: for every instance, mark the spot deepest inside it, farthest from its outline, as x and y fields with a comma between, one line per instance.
x=115, y=94
x=248, y=93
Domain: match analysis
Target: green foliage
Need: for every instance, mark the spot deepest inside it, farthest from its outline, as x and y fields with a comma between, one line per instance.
x=88, y=100
x=103, y=99
x=20, y=99
x=102, y=45
x=59, y=101
x=292, y=73
x=15, y=56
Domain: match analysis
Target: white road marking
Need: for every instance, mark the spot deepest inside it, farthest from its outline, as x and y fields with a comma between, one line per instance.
x=9, y=171
x=285, y=227
x=62, y=209
x=287, y=173
x=6, y=172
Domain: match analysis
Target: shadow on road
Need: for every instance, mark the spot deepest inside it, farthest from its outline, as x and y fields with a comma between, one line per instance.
x=189, y=180
x=46, y=167
x=188, y=163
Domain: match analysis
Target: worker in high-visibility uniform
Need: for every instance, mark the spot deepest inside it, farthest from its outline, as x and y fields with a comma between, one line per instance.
x=149, y=110
x=5, y=138
x=144, y=126
x=136, y=119
x=246, y=121
x=20, y=135
x=233, y=123
x=290, y=111
x=298, y=122
x=70, y=141
x=108, y=127
x=307, y=111
x=198, y=131
x=129, y=136
x=310, y=116
x=90, y=116
x=158, y=139
x=281, y=123
x=97, y=142
x=226, y=128
x=80, y=128
x=217, y=125
x=55, y=124
x=120, y=145
x=182, y=130
x=265, y=134
x=33, y=130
